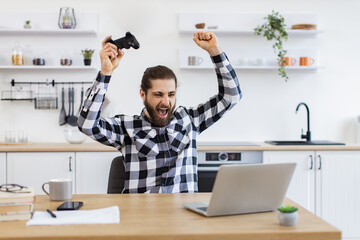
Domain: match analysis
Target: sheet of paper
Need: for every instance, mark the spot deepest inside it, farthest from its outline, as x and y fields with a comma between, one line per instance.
x=98, y=216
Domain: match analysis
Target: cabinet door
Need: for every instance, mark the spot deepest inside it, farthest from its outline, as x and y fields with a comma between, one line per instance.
x=34, y=169
x=338, y=190
x=92, y=171
x=2, y=168
x=301, y=188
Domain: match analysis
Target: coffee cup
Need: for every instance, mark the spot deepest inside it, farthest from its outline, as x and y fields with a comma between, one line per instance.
x=60, y=189
x=306, y=61
x=288, y=61
x=194, y=60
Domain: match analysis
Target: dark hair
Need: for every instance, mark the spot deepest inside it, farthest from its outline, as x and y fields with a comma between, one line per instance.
x=157, y=72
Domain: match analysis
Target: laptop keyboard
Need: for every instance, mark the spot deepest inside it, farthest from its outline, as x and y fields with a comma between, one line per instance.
x=203, y=208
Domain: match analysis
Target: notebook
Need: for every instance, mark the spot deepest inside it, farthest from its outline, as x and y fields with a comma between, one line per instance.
x=240, y=189
x=16, y=205
x=24, y=196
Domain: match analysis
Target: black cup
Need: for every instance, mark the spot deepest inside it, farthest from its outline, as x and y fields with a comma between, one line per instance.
x=38, y=61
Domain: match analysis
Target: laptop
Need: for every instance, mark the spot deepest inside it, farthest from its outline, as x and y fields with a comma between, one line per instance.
x=240, y=189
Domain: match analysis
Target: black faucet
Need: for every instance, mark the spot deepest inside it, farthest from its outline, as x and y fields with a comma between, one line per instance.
x=307, y=136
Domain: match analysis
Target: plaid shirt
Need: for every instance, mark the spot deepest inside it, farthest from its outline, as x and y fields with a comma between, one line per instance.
x=159, y=159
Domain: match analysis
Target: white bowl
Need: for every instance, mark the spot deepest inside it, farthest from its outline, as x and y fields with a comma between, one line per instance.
x=74, y=136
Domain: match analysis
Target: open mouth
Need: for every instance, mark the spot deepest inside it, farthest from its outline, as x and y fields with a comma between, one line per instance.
x=162, y=112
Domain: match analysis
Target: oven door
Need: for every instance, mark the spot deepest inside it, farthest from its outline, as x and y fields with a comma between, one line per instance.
x=206, y=178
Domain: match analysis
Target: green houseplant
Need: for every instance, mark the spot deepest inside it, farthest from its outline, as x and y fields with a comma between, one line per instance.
x=274, y=30
x=87, y=54
x=288, y=215
x=27, y=24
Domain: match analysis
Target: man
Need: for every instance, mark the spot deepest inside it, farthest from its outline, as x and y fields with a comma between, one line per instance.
x=159, y=146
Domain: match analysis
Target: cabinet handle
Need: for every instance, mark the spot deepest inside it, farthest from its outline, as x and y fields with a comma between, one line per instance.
x=319, y=157
x=311, y=162
x=70, y=164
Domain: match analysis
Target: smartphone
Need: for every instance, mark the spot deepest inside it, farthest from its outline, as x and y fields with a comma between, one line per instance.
x=70, y=206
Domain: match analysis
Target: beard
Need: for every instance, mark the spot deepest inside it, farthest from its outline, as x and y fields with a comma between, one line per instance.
x=154, y=116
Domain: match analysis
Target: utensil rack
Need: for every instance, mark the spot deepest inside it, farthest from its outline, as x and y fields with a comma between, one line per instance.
x=44, y=94
x=53, y=83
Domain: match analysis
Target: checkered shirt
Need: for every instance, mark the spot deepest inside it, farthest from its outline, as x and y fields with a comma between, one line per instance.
x=159, y=159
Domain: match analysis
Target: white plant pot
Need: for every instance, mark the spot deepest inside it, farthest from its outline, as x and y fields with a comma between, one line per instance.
x=288, y=219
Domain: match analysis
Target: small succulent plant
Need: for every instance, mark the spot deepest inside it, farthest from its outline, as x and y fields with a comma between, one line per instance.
x=287, y=209
x=87, y=53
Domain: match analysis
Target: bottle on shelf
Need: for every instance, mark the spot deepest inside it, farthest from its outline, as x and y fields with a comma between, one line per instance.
x=17, y=57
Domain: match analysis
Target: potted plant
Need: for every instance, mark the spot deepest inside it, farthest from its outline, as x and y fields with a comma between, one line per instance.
x=27, y=24
x=274, y=30
x=288, y=215
x=87, y=53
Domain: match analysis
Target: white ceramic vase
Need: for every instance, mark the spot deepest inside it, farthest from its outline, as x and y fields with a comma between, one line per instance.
x=288, y=219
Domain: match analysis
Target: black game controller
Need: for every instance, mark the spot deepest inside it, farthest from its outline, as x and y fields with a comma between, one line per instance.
x=125, y=42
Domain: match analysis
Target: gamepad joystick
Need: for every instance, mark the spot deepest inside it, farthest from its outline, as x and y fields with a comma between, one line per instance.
x=125, y=42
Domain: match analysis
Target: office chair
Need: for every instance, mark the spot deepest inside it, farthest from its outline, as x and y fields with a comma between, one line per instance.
x=116, y=176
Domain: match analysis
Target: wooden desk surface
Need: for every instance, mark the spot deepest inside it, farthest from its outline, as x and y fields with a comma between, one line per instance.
x=161, y=216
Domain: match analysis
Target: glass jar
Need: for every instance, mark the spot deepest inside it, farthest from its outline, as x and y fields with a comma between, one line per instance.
x=17, y=57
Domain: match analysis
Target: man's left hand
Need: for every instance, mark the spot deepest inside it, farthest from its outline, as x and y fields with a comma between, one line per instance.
x=208, y=42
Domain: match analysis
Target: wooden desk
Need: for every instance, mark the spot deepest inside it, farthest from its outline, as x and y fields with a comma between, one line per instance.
x=161, y=216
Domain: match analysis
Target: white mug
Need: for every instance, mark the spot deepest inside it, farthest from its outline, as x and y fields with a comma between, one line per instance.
x=60, y=189
x=261, y=61
x=194, y=60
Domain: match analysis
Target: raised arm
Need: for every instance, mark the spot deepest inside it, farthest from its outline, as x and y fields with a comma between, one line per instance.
x=207, y=41
x=105, y=130
x=110, y=57
x=229, y=93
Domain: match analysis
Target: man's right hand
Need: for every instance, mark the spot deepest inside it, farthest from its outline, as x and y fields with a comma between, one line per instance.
x=109, y=57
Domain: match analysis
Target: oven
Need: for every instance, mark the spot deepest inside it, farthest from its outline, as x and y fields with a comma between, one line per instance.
x=210, y=161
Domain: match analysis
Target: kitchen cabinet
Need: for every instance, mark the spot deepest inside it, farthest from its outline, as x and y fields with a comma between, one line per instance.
x=34, y=169
x=338, y=190
x=89, y=170
x=326, y=183
x=237, y=29
x=302, y=185
x=92, y=171
x=2, y=168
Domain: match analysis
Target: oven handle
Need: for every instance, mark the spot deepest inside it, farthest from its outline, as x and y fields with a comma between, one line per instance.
x=208, y=169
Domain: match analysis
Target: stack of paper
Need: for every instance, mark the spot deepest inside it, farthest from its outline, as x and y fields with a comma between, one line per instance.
x=16, y=205
x=109, y=215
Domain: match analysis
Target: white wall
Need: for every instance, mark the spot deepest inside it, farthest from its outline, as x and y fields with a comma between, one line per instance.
x=267, y=110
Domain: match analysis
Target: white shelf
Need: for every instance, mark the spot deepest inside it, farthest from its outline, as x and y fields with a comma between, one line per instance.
x=48, y=32
x=258, y=68
x=242, y=23
x=48, y=68
x=231, y=25
x=46, y=23
x=291, y=32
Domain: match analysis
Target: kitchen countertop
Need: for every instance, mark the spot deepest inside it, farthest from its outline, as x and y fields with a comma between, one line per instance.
x=97, y=147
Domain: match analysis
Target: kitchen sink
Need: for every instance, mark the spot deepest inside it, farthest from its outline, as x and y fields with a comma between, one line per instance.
x=299, y=142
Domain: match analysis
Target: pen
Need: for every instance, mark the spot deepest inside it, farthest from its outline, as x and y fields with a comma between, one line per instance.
x=51, y=213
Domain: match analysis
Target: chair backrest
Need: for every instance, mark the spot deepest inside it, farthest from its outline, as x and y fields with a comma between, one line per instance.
x=116, y=176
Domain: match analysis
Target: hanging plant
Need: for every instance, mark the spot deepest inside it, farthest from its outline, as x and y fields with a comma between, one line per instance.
x=274, y=30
